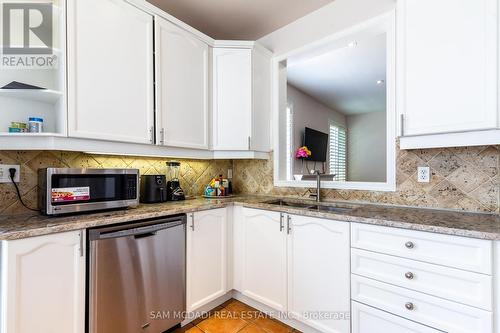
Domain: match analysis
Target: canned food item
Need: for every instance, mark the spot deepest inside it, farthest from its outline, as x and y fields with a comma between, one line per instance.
x=35, y=125
x=17, y=124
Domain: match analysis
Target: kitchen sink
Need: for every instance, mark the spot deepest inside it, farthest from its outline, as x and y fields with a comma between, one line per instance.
x=331, y=208
x=292, y=204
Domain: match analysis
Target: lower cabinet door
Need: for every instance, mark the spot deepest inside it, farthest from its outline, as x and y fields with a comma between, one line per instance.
x=264, y=258
x=319, y=273
x=206, y=257
x=366, y=319
x=44, y=284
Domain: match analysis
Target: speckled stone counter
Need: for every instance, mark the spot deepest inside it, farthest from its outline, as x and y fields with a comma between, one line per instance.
x=482, y=226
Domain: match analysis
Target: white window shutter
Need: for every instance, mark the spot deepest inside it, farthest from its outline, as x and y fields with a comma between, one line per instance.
x=337, y=158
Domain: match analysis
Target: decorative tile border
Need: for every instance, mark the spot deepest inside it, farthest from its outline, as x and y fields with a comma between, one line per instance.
x=461, y=178
x=195, y=174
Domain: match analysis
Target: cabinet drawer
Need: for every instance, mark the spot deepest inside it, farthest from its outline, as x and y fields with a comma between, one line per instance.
x=459, y=252
x=366, y=319
x=425, y=309
x=453, y=284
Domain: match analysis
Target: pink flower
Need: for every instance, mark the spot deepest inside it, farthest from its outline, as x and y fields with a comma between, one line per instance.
x=302, y=152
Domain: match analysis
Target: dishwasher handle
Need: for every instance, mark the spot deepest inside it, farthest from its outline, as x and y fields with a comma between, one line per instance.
x=145, y=235
x=137, y=232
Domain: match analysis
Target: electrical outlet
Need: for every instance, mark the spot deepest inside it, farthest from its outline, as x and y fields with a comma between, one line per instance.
x=5, y=175
x=423, y=174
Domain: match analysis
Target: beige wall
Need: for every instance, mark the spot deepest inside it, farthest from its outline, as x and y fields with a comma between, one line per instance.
x=308, y=112
x=367, y=147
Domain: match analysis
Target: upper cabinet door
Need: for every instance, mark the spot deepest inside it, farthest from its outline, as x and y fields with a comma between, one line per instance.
x=232, y=99
x=182, y=87
x=110, y=70
x=447, y=65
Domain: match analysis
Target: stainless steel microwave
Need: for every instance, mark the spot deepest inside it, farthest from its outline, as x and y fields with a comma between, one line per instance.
x=64, y=191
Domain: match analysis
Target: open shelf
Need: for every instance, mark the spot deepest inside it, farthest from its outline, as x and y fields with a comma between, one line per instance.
x=38, y=95
x=43, y=134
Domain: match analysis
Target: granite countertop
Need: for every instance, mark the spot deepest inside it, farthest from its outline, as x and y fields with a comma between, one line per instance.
x=481, y=226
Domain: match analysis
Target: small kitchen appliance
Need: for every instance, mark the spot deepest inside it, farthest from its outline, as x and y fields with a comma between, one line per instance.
x=174, y=190
x=153, y=188
x=64, y=190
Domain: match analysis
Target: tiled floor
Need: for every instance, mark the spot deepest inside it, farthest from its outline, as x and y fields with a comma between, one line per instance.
x=234, y=316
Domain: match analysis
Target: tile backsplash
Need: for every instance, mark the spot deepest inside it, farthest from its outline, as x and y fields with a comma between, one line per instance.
x=195, y=174
x=461, y=178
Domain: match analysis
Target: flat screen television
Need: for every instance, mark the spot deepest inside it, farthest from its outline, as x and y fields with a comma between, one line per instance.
x=317, y=142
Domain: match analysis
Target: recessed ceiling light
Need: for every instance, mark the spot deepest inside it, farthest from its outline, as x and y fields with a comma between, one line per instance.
x=380, y=82
x=353, y=44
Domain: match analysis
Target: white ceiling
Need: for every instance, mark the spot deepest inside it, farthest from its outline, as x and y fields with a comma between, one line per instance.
x=238, y=19
x=345, y=79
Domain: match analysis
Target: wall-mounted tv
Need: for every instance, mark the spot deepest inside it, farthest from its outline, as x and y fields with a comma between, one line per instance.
x=317, y=142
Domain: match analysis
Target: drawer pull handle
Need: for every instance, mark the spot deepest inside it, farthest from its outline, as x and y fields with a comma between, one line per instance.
x=409, y=245
x=409, y=306
x=409, y=275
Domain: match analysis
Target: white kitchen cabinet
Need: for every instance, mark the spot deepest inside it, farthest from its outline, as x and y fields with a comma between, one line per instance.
x=110, y=71
x=238, y=249
x=232, y=98
x=181, y=87
x=421, y=308
x=366, y=319
x=43, y=284
x=453, y=251
x=441, y=281
x=496, y=287
x=448, y=72
x=261, y=100
x=206, y=263
x=241, y=99
x=264, y=276
x=319, y=273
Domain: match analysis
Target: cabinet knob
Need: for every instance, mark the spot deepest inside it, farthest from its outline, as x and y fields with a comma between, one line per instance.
x=409, y=245
x=409, y=306
x=409, y=275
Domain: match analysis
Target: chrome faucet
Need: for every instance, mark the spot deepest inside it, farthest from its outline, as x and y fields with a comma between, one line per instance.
x=318, y=186
x=316, y=175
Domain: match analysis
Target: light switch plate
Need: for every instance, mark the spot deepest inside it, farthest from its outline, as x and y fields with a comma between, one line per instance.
x=423, y=174
x=5, y=175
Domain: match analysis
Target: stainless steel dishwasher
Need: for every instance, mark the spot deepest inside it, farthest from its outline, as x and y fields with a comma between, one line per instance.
x=137, y=276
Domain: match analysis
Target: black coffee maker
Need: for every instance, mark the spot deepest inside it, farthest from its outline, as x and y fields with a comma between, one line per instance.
x=174, y=190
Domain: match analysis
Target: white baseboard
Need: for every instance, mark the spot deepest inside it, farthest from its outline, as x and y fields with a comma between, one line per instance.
x=206, y=308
